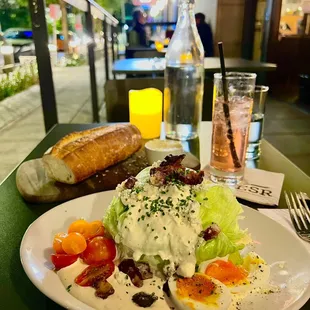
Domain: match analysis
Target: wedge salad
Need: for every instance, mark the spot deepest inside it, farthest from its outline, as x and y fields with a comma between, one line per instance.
x=170, y=239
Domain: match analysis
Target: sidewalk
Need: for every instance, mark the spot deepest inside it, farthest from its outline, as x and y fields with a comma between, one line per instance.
x=287, y=128
x=21, y=117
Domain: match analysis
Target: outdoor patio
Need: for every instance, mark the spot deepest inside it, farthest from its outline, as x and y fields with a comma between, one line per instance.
x=287, y=127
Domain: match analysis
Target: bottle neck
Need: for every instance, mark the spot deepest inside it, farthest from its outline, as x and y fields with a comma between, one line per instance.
x=186, y=12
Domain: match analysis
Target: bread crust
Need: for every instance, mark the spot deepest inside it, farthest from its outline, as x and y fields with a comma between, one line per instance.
x=89, y=151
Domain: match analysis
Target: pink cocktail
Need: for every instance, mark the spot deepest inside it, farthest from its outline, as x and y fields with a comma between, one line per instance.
x=230, y=127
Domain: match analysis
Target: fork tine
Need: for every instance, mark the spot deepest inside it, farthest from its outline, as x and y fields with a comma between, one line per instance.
x=303, y=209
x=304, y=203
x=294, y=219
x=298, y=211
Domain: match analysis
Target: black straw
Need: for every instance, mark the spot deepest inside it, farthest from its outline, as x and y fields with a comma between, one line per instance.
x=230, y=136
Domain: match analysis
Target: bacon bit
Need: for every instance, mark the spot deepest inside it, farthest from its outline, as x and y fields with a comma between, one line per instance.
x=192, y=177
x=211, y=232
x=95, y=273
x=144, y=300
x=130, y=183
x=171, y=169
x=128, y=267
x=173, y=160
x=145, y=270
x=104, y=289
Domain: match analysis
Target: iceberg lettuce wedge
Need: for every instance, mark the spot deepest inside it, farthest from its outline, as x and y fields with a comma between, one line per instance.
x=218, y=205
x=114, y=215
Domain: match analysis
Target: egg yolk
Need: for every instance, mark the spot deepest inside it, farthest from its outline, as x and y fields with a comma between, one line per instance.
x=226, y=272
x=197, y=287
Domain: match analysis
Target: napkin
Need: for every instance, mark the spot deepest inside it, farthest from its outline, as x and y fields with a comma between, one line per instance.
x=260, y=186
x=282, y=216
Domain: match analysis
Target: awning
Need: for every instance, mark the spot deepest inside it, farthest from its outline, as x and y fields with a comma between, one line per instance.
x=96, y=10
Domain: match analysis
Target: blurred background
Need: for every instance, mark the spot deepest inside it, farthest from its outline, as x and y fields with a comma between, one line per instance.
x=85, y=38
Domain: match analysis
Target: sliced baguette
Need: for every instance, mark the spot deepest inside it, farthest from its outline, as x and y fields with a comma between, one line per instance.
x=79, y=155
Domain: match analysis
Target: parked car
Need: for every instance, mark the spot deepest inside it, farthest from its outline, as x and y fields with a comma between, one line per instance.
x=22, y=41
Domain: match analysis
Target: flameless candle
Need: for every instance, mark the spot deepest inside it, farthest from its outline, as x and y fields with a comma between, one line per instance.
x=145, y=110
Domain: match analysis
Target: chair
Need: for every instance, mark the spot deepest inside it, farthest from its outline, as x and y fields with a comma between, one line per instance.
x=117, y=98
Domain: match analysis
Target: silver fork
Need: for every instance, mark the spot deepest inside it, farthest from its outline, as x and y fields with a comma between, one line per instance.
x=300, y=214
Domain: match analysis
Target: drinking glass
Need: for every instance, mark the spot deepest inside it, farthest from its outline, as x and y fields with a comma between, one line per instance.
x=230, y=126
x=257, y=122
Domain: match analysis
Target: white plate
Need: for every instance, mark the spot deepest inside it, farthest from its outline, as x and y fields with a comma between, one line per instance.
x=276, y=244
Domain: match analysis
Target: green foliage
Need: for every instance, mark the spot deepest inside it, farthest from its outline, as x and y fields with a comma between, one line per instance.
x=13, y=16
x=21, y=3
x=49, y=23
x=110, y=5
x=113, y=6
x=15, y=13
x=75, y=60
x=22, y=78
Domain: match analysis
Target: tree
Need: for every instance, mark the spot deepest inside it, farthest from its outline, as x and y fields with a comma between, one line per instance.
x=113, y=6
x=14, y=13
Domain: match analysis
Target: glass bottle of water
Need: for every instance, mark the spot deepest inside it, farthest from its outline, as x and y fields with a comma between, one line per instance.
x=184, y=77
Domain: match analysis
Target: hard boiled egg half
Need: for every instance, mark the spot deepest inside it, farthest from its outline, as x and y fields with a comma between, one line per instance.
x=200, y=292
x=252, y=273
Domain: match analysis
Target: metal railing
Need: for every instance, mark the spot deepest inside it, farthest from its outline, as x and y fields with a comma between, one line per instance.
x=40, y=35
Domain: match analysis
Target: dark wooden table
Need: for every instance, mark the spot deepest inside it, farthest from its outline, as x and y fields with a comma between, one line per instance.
x=16, y=290
x=212, y=64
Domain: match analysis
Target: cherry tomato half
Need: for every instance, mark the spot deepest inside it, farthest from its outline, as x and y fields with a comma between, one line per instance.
x=95, y=229
x=79, y=226
x=91, y=274
x=74, y=243
x=57, y=243
x=99, y=249
x=63, y=260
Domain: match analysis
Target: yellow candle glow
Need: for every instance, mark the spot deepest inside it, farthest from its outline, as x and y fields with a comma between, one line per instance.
x=145, y=111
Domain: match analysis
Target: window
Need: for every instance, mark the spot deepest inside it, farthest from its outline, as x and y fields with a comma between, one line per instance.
x=294, y=17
